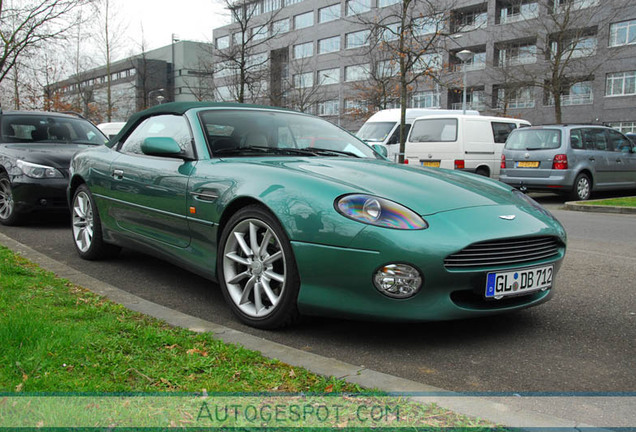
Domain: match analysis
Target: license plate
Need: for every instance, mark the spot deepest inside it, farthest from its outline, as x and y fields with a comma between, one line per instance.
x=433, y=164
x=528, y=164
x=518, y=282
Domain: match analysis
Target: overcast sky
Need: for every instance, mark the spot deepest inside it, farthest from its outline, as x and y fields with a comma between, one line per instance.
x=188, y=19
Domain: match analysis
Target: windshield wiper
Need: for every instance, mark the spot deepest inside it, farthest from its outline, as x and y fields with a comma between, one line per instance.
x=263, y=150
x=324, y=151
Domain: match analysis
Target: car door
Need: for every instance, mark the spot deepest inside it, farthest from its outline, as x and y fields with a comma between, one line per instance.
x=622, y=160
x=596, y=144
x=149, y=191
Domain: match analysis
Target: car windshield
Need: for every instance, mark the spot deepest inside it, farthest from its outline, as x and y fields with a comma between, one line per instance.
x=375, y=131
x=239, y=133
x=49, y=129
x=533, y=139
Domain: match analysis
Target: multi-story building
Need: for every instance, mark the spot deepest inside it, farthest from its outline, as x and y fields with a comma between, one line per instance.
x=314, y=55
x=176, y=72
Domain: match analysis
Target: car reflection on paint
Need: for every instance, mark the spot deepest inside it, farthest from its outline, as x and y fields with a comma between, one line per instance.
x=244, y=195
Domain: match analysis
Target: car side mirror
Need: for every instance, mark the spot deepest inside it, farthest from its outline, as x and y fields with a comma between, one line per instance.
x=161, y=146
x=380, y=149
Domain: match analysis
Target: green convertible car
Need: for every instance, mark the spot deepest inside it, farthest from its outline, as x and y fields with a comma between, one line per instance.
x=292, y=215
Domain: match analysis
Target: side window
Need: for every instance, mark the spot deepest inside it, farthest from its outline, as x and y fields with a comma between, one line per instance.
x=576, y=139
x=618, y=142
x=595, y=139
x=172, y=126
x=501, y=131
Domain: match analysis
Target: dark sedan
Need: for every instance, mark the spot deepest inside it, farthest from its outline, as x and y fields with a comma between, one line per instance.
x=35, y=154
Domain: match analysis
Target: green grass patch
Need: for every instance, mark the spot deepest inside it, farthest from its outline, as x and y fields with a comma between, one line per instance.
x=619, y=202
x=60, y=338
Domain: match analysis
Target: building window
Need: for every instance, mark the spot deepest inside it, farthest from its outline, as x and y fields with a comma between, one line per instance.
x=304, y=50
x=329, y=108
x=563, y=6
x=623, y=33
x=329, y=13
x=223, y=42
x=385, y=3
x=431, y=61
x=584, y=46
x=387, y=69
x=291, y=2
x=625, y=127
x=280, y=27
x=356, y=106
x=510, y=11
x=470, y=19
x=304, y=80
x=237, y=38
x=355, y=7
x=621, y=84
x=329, y=45
x=329, y=76
x=390, y=32
x=357, y=39
x=224, y=93
x=304, y=20
x=259, y=32
x=356, y=73
x=271, y=5
x=578, y=94
x=427, y=25
x=516, y=54
x=514, y=98
x=426, y=99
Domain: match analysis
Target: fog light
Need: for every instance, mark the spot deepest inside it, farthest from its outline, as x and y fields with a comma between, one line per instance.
x=398, y=280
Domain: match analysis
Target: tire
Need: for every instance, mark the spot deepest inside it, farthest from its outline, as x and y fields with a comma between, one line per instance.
x=582, y=188
x=8, y=213
x=87, y=227
x=482, y=172
x=260, y=284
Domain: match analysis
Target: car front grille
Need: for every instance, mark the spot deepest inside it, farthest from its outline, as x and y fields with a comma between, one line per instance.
x=504, y=252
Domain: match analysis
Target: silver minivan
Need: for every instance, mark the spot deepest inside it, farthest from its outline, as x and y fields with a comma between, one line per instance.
x=570, y=159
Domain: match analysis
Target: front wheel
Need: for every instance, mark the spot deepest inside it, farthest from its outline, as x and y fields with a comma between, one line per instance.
x=257, y=269
x=8, y=213
x=87, y=227
x=582, y=189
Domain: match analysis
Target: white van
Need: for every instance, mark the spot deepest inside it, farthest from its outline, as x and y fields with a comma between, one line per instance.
x=456, y=141
x=111, y=129
x=383, y=127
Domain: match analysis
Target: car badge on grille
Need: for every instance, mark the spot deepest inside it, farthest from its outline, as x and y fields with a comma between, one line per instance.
x=507, y=217
x=527, y=155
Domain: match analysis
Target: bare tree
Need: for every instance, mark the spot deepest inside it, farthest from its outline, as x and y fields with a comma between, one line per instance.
x=302, y=88
x=243, y=57
x=26, y=25
x=564, y=52
x=408, y=35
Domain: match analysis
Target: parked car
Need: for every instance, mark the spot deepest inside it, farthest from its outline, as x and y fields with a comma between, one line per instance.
x=459, y=141
x=383, y=127
x=573, y=160
x=35, y=153
x=286, y=228
x=111, y=129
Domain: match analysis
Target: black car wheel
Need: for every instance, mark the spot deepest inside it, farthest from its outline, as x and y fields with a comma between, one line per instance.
x=257, y=270
x=8, y=213
x=87, y=227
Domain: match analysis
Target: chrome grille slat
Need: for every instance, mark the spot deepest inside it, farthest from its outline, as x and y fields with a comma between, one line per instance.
x=504, y=252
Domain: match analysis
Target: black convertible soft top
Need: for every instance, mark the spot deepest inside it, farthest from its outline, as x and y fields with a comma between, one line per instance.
x=176, y=108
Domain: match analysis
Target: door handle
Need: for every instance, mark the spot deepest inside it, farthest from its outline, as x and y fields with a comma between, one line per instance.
x=592, y=159
x=118, y=174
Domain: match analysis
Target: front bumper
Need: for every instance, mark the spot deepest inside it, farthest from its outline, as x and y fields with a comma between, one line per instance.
x=39, y=194
x=339, y=281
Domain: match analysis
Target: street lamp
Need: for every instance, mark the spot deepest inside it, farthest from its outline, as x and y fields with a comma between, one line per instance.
x=465, y=56
x=159, y=97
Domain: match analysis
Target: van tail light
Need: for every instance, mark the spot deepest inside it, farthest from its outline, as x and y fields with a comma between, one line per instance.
x=459, y=164
x=560, y=162
x=503, y=161
x=406, y=161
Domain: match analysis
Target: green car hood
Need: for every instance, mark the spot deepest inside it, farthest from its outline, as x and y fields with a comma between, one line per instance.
x=424, y=190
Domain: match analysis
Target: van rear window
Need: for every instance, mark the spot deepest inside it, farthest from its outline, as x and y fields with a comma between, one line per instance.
x=434, y=130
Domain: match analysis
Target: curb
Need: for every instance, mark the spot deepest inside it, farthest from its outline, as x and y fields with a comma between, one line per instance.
x=591, y=208
x=472, y=406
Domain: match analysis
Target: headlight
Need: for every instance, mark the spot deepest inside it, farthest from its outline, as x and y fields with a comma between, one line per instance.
x=38, y=171
x=379, y=212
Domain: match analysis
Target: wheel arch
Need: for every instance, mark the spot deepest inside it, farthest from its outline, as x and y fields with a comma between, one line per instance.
x=232, y=208
x=76, y=181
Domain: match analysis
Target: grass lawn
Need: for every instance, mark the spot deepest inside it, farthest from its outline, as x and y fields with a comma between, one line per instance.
x=61, y=338
x=620, y=202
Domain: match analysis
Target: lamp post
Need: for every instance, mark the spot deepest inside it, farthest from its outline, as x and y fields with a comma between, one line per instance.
x=173, y=78
x=159, y=96
x=465, y=56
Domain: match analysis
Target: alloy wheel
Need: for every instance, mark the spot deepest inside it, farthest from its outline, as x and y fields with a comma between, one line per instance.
x=83, y=223
x=6, y=198
x=254, y=268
